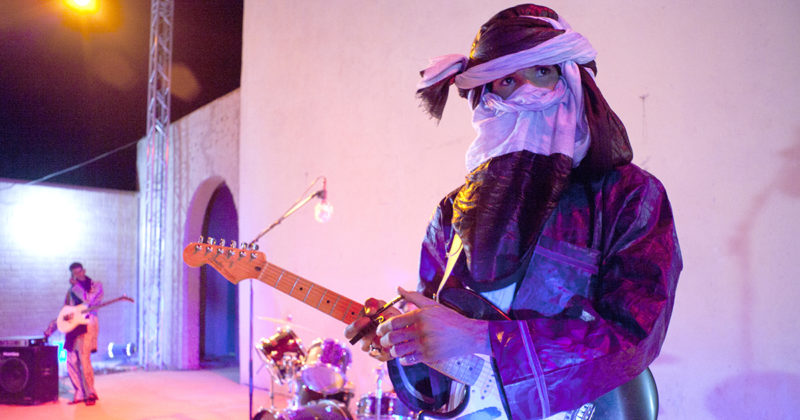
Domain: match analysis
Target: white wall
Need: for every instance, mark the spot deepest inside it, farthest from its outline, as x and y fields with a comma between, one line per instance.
x=327, y=88
x=44, y=228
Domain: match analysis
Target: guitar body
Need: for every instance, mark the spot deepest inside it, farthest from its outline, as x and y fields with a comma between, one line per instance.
x=71, y=316
x=424, y=389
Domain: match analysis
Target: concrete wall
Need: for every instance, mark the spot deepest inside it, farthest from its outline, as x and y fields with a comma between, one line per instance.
x=705, y=88
x=47, y=227
x=204, y=153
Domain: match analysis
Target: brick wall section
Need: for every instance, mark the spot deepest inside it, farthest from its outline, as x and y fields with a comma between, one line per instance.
x=47, y=227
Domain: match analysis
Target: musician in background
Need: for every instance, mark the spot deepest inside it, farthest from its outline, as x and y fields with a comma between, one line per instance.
x=559, y=229
x=81, y=342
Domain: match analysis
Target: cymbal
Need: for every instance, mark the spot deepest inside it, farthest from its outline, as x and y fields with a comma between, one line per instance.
x=285, y=322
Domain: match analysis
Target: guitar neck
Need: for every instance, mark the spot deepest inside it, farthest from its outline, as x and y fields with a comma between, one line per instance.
x=463, y=369
x=100, y=305
x=310, y=293
x=239, y=264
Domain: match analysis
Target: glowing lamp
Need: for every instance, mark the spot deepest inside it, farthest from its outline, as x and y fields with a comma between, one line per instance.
x=83, y=6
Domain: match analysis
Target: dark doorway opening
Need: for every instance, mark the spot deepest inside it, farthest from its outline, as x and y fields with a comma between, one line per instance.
x=219, y=326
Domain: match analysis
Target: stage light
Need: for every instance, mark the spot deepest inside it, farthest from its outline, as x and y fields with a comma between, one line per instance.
x=62, y=352
x=86, y=7
x=47, y=219
x=116, y=351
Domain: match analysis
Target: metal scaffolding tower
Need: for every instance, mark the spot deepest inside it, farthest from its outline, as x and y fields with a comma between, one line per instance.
x=152, y=270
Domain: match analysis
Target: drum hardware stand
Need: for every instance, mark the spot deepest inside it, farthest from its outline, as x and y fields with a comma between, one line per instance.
x=379, y=391
x=296, y=206
x=271, y=390
x=294, y=395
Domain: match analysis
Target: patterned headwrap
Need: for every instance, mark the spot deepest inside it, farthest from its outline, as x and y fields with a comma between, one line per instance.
x=520, y=37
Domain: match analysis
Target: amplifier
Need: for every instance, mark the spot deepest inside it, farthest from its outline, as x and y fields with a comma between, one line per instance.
x=22, y=341
x=28, y=375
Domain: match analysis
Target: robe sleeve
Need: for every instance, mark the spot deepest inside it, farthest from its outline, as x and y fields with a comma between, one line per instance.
x=557, y=363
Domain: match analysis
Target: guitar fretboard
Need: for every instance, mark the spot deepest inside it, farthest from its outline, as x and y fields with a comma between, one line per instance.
x=463, y=369
x=100, y=305
x=311, y=294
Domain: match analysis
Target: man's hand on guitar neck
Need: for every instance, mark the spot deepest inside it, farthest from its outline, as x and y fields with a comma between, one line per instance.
x=431, y=332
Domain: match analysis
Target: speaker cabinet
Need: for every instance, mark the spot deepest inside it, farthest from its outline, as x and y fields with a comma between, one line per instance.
x=28, y=375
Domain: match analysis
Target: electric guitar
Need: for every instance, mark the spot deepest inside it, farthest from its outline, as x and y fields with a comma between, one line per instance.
x=71, y=316
x=473, y=391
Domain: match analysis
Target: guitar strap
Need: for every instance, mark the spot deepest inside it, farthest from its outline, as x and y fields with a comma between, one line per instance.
x=76, y=300
x=454, y=254
x=456, y=246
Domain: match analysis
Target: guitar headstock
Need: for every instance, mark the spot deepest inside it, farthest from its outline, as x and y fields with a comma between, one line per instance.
x=235, y=264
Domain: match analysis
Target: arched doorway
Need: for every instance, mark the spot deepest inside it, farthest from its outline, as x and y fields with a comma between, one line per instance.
x=218, y=317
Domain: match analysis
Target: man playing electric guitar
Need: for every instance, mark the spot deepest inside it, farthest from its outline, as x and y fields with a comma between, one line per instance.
x=81, y=342
x=554, y=225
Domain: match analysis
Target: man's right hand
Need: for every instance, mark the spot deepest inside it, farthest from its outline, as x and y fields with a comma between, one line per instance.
x=370, y=343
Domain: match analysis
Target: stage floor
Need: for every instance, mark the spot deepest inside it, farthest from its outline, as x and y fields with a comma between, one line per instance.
x=157, y=395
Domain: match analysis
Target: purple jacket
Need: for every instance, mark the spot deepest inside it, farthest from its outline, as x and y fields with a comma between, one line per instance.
x=592, y=309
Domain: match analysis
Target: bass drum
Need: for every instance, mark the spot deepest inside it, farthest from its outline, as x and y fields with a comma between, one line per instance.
x=317, y=410
x=390, y=408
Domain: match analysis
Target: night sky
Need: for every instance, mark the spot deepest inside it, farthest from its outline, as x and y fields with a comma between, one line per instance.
x=73, y=88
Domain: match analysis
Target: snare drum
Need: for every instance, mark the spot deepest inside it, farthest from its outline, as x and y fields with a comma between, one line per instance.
x=326, y=366
x=283, y=353
x=391, y=407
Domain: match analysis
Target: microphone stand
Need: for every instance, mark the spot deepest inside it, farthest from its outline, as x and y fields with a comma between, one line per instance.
x=296, y=206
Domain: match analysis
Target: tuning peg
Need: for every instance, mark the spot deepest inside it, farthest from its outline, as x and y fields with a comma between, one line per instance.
x=243, y=245
x=254, y=247
x=201, y=239
x=211, y=241
x=222, y=242
x=233, y=244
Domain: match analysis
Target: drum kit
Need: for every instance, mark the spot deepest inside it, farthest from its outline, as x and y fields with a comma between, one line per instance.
x=317, y=381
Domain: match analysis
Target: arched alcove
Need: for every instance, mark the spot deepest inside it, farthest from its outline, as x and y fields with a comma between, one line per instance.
x=211, y=212
x=218, y=298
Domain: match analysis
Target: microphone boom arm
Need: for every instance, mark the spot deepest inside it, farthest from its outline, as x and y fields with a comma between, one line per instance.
x=296, y=206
